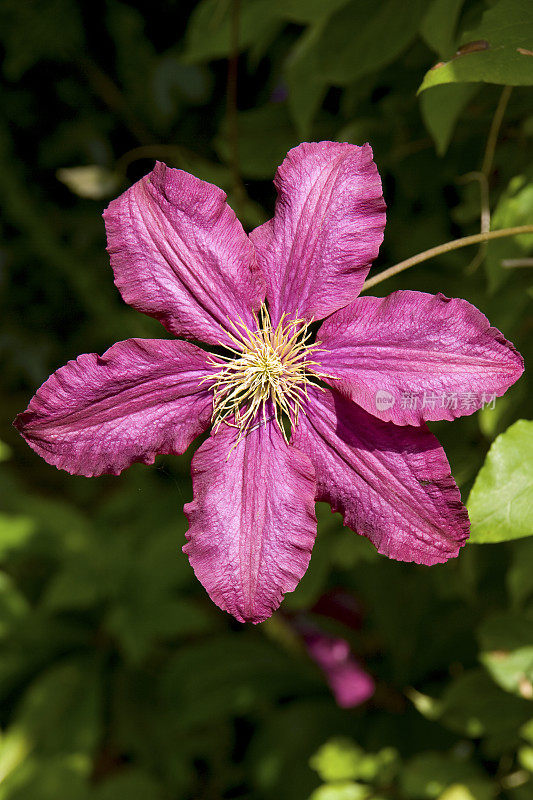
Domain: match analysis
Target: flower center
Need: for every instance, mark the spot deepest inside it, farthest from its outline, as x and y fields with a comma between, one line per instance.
x=268, y=364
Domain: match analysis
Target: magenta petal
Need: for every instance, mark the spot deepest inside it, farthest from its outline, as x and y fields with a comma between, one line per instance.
x=413, y=356
x=330, y=215
x=391, y=484
x=350, y=683
x=99, y=414
x=252, y=520
x=180, y=254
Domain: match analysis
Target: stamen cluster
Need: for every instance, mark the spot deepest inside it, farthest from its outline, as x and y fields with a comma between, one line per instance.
x=266, y=364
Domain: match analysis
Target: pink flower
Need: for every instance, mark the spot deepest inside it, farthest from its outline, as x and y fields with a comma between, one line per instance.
x=179, y=254
x=350, y=684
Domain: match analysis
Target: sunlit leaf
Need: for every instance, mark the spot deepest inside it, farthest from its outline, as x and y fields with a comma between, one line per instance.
x=344, y=790
x=515, y=207
x=506, y=642
x=500, y=53
x=501, y=501
x=92, y=181
x=343, y=760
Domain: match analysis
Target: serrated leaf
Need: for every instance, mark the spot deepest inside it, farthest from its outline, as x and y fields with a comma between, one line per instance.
x=501, y=501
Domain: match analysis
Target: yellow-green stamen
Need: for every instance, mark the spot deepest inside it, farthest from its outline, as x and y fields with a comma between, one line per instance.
x=267, y=364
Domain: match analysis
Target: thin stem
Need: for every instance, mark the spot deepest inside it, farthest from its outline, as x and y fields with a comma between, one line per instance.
x=231, y=104
x=445, y=248
x=492, y=139
x=485, y=216
x=483, y=176
x=514, y=263
x=167, y=151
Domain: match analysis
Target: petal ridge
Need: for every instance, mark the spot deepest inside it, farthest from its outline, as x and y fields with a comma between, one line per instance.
x=252, y=521
x=327, y=228
x=99, y=414
x=413, y=356
x=179, y=254
x=392, y=484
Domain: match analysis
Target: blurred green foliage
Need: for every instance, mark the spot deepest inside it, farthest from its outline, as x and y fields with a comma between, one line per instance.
x=118, y=677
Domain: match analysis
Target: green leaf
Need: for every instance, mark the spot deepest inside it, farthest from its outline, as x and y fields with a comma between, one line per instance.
x=15, y=532
x=265, y=135
x=441, y=109
x=132, y=784
x=474, y=706
x=337, y=760
x=306, y=11
x=13, y=605
x=515, y=207
x=305, y=80
x=92, y=181
x=501, y=501
x=505, y=57
x=363, y=37
x=525, y=758
x=477, y=790
x=427, y=775
x=138, y=620
x=520, y=573
x=60, y=712
x=5, y=451
x=438, y=28
x=506, y=642
x=48, y=779
x=227, y=675
x=31, y=32
x=345, y=790
x=342, y=760
x=209, y=30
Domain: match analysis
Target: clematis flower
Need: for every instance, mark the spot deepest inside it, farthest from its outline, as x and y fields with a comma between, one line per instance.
x=294, y=419
x=350, y=684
